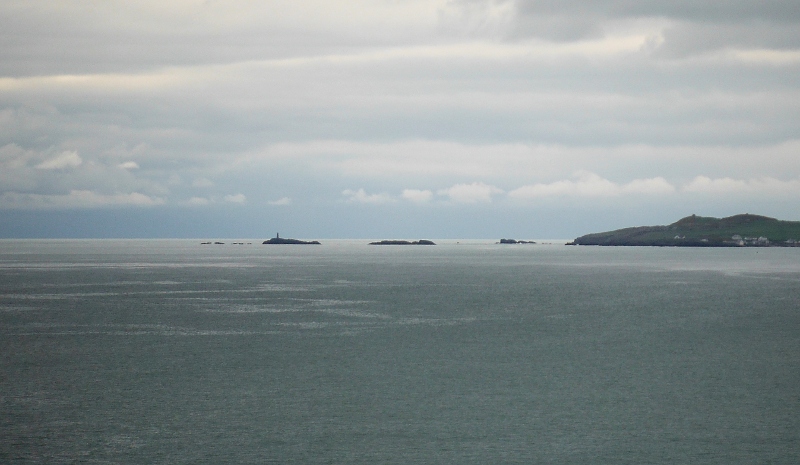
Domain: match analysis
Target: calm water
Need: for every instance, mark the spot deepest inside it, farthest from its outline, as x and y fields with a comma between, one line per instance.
x=173, y=352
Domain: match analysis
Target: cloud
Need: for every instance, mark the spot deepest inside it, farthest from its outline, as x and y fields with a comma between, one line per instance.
x=132, y=37
x=656, y=185
x=360, y=196
x=202, y=183
x=75, y=199
x=587, y=184
x=720, y=185
x=60, y=162
x=236, y=198
x=766, y=56
x=129, y=165
x=672, y=30
x=761, y=186
x=775, y=43
x=476, y=192
x=197, y=201
x=417, y=195
x=641, y=96
x=727, y=11
x=281, y=201
x=399, y=158
x=440, y=162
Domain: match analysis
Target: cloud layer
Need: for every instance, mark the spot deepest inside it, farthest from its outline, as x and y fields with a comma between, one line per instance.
x=583, y=185
x=460, y=105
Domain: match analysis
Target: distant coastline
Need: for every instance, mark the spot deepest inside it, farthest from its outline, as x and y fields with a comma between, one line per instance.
x=743, y=230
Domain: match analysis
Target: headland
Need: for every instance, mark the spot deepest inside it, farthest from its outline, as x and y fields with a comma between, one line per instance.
x=744, y=230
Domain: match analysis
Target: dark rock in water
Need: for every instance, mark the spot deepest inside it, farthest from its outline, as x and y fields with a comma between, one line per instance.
x=512, y=241
x=205, y=243
x=419, y=242
x=281, y=240
x=219, y=243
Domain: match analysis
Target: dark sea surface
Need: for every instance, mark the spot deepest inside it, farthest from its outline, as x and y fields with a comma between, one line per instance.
x=168, y=351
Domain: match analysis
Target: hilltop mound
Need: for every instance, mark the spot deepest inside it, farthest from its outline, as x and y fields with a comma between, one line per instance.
x=702, y=231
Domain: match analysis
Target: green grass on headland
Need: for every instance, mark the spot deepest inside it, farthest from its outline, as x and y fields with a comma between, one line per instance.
x=700, y=231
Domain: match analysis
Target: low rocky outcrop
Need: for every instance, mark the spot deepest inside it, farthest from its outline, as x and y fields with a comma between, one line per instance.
x=287, y=241
x=393, y=242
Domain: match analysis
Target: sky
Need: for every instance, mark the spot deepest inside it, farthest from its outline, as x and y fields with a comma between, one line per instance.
x=394, y=118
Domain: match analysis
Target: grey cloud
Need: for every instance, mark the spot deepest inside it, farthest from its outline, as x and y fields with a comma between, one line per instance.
x=688, y=27
x=30, y=178
x=66, y=159
x=280, y=202
x=626, y=99
x=690, y=38
x=472, y=193
x=240, y=107
x=557, y=27
x=361, y=196
x=235, y=198
x=706, y=11
x=202, y=183
x=766, y=186
x=587, y=184
x=129, y=165
x=74, y=199
x=62, y=37
x=417, y=195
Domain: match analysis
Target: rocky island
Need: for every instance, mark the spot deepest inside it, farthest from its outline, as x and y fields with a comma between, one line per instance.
x=282, y=240
x=744, y=230
x=419, y=242
x=514, y=241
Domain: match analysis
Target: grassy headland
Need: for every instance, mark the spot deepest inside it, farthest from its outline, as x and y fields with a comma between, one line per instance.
x=701, y=231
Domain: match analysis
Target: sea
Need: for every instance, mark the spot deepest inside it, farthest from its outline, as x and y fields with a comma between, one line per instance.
x=467, y=352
